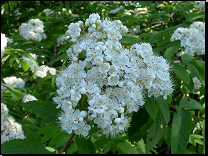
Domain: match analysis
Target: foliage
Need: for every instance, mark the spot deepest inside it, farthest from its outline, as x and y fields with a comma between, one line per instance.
x=175, y=125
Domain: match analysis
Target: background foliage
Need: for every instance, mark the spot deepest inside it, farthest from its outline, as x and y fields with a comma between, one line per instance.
x=175, y=125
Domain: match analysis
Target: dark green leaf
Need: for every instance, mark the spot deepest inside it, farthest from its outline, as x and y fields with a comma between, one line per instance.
x=25, y=146
x=186, y=58
x=151, y=107
x=45, y=109
x=181, y=73
x=169, y=53
x=72, y=148
x=63, y=56
x=164, y=109
x=123, y=147
x=102, y=142
x=192, y=104
x=181, y=129
x=85, y=146
x=138, y=120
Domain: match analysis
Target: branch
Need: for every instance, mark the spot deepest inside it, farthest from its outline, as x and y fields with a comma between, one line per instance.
x=147, y=27
x=191, y=114
x=5, y=86
x=67, y=143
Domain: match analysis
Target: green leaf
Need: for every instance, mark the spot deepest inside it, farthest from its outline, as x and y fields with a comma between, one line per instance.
x=24, y=146
x=164, y=108
x=16, y=94
x=169, y=53
x=151, y=107
x=123, y=147
x=63, y=56
x=24, y=65
x=203, y=133
x=153, y=136
x=45, y=109
x=129, y=39
x=181, y=129
x=102, y=142
x=62, y=141
x=138, y=120
x=192, y=17
x=192, y=104
x=72, y=148
x=141, y=147
x=43, y=130
x=187, y=58
x=181, y=73
x=85, y=146
x=57, y=136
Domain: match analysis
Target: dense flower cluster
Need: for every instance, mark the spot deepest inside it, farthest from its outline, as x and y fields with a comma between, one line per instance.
x=9, y=128
x=192, y=39
x=13, y=82
x=42, y=71
x=33, y=30
x=113, y=79
x=28, y=98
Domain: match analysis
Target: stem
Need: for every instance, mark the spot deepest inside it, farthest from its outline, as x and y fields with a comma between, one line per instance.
x=67, y=143
x=191, y=114
x=5, y=86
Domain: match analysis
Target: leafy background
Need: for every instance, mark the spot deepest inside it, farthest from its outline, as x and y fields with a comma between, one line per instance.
x=175, y=125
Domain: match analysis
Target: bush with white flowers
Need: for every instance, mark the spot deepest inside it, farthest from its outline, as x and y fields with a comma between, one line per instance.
x=13, y=82
x=113, y=78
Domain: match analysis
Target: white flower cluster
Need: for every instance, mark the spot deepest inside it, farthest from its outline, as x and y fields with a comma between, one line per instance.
x=29, y=61
x=192, y=39
x=9, y=128
x=33, y=30
x=201, y=4
x=63, y=38
x=42, y=71
x=13, y=82
x=28, y=98
x=116, y=10
x=31, y=9
x=113, y=79
x=197, y=83
x=3, y=44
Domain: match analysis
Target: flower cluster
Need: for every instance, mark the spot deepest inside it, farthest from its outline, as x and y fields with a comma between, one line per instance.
x=116, y=10
x=48, y=12
x=112, y=79
x=33, y=30
x=197, y=83
x=42, y=71
x=63, y=38
x=13, y=82
x=192, y=39
x=28, y=98
x=9, y=128
x=201, y=4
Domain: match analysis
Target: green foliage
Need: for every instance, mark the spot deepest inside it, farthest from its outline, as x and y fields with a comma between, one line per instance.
x=172, y=126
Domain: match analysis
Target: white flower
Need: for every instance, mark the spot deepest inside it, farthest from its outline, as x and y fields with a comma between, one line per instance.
x=13, y=82
x=28, y=98
x=197, y=83
x=113, y=79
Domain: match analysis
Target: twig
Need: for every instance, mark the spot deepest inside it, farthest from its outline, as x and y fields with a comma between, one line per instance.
x=54, y=53
x=5, y=86
x=152, y=26
x=67, y=143
x=191, y=114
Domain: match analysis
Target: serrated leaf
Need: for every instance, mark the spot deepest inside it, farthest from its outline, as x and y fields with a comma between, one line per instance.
x=164, y=109
x=192, y=104
x=194, y=16
x=102, y=142
x=84, y=146
x=123, y=147
x=45, y=109
x=141, y=147
x=24, y=146
x=187, y=58
x=153, y=136
x=169, y=53
x=56, y=137
x=62, y=141
x=181, y=73
x=181, y=129
x=72, y=148
x=48, y=136
x=151, y=107
x=138, y=120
